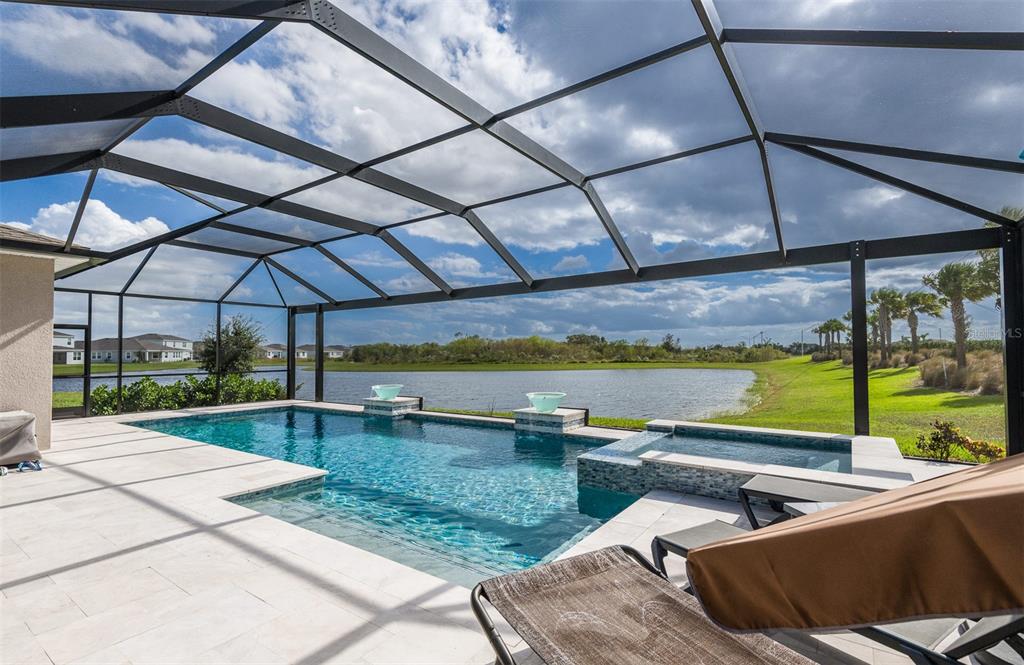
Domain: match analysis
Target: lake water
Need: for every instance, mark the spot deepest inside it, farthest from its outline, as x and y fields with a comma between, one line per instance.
x=682, y=394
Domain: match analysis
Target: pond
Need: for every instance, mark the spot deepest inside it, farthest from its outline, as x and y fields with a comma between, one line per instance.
x=682, y=394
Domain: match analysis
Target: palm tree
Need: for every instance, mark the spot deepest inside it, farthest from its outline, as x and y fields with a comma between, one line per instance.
x=820, y=332
x=956, y=284
x=873, y=323
x=890, y=305
x=917, y=303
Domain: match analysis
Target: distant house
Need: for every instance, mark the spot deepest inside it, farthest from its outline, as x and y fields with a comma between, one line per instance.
x=148, y=348
x=275, y=351
x=64, y=351
x=308, y=351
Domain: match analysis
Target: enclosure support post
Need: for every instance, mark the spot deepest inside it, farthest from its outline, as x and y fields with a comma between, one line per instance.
x=1013, y=336
x=120, y=348
x=217, y=356
x=858, y=295
x=87, y=350
x=290, y=381
x=319, y=393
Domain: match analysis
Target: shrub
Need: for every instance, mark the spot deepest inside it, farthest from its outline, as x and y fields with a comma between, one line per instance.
x=940, y=443
x=147, y=395
x=947, y=437
x=821, y=356
x=912, y=359
x=983, y=451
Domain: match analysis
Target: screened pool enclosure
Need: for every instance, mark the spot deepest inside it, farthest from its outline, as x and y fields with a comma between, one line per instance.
x=318, y=157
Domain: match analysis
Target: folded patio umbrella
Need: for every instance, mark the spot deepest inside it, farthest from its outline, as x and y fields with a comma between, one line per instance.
x=949, y=546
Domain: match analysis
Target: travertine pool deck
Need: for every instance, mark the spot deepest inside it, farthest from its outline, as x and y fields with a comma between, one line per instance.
x=123, y=550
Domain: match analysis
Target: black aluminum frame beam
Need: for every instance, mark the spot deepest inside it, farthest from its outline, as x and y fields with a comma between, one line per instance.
x=986, y=41
x=216, y=249
x=859, y=335
x=151, y=296
x=33, y=111
x=34, y=167
x=352, y=271
x=80, y=210
x=300, y=280
x=893, y=151
x=712, y=24
x=273, y=280
x=937, y=243
x=282, y=10
x=241, y=278
x=899, y=183
x=1012, y=306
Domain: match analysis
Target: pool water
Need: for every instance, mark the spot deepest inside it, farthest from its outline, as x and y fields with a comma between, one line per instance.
x=800, y=452
x=460, y=502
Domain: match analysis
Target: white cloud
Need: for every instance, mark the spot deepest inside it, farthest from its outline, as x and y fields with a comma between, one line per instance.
x=448, y=230
x=225, y=163
x=572, y=264
x=741, y=235
x=181, y=30
x=101, y=227
x=459, y=265
x=50, y=37
x=869, y=198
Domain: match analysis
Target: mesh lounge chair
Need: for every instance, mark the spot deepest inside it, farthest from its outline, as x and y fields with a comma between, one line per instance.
x=612, y=607
x=989, y=641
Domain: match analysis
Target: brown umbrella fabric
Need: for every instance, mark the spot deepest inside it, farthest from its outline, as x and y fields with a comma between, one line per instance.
x=949, y=546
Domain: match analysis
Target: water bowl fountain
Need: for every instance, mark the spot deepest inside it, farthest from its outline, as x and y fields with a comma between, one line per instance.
x=545, y=402
x=387, y=390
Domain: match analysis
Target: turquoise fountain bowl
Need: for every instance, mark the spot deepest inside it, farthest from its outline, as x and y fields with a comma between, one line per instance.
x=545, y=402
x=387, y=390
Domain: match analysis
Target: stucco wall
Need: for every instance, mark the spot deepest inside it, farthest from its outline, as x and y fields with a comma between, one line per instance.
x=26, y=338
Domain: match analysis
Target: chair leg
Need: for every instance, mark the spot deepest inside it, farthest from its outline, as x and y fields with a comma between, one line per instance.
x=745, y=503
x=658, y=553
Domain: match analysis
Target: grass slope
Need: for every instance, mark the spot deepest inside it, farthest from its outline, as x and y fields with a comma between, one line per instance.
x=798, y=394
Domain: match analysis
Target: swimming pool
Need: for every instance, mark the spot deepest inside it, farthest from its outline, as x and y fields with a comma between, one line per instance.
x=460, y=502
x=758, y=448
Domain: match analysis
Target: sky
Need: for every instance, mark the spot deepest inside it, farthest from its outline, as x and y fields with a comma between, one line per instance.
x=303, y=83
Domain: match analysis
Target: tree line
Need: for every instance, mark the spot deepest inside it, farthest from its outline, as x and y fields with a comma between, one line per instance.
x=950, y=288
x=575, y=348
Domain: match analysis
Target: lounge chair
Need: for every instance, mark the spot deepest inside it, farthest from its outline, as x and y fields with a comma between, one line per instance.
x=777, y=491
x=809, y=575
x=989, y=641
x=612, y=607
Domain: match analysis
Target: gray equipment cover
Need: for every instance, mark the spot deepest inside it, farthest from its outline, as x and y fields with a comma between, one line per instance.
x=18, y=437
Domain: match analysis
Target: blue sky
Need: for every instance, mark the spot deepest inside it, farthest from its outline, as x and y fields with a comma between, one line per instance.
x=503, y=54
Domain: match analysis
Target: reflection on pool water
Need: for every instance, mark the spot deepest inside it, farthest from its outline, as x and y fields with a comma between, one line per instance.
x=460, y=502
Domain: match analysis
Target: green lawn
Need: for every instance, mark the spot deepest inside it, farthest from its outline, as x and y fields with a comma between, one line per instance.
x=111, y=368
x=62, y=400
x=798, y=394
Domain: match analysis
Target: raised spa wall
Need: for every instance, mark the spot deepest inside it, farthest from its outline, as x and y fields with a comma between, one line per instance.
x=876, y=463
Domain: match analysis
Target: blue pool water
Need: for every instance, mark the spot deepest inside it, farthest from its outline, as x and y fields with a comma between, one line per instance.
x=460, y=502
x=758, y=448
